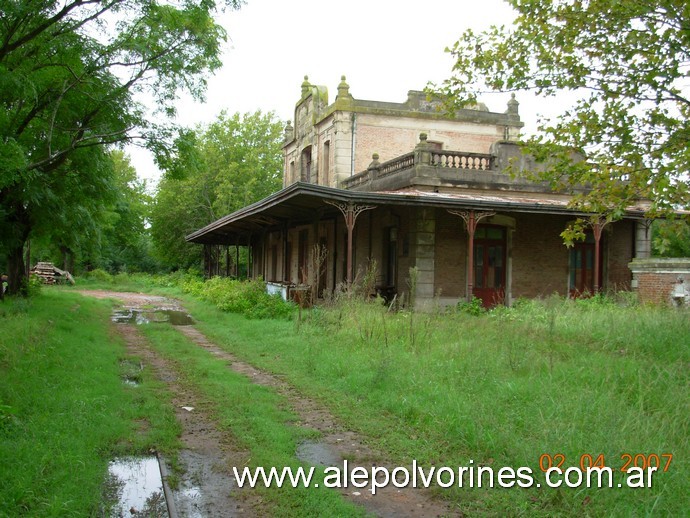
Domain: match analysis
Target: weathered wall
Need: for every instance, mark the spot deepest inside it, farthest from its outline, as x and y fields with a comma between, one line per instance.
x=539, y=258
x=662, y=281
x=451, y=256
x=620, y=245
x=356, y=129
x=391, y=137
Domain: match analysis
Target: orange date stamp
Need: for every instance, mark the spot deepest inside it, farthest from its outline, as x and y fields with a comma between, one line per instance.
x=661, y=461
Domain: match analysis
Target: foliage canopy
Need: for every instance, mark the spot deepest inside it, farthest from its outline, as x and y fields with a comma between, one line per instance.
x=627, y=64
x=213, y=171
x=70, y=74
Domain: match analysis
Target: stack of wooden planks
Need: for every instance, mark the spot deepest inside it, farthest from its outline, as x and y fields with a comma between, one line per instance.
x=51, y=274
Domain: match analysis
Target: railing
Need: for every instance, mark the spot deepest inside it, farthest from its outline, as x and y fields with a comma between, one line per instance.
x=397, y=164
x=441, y=159
x=387, y=168
x=356, y=180
x=461, y=160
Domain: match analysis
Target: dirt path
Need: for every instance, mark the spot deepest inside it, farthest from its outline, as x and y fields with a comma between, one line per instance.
x=336, y=443
x=208, y=454
x=206, y=487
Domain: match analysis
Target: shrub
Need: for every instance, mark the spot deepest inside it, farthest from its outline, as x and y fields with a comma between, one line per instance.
x=248, y=298
x=34, y=285
x=100, y=275
x=474, y=308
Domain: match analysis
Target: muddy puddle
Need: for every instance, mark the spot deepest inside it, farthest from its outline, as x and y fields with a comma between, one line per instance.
x=317, y=453
x=147, y=316
x=204, y=488
x=134, y=488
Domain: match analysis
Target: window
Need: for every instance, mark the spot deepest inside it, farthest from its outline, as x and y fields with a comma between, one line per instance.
x=326, y=162
x=391, y=257
x=274, y=263
x=306, y=165
x=303, y=258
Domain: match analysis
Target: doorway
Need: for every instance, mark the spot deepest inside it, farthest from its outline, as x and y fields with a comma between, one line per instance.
x=581, y=271
x=490, y=265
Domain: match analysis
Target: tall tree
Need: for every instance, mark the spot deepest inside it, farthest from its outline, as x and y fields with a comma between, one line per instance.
x=627, y=63
x=69, y=74
x=214, y=171
x=125, y=239
x=111, y=234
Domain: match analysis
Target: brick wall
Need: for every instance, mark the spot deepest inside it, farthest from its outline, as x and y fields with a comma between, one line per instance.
x=619, y=244
x=539, y=257
x=391, y=137
x=451, y=255
x=539, y=261
x=661, y=281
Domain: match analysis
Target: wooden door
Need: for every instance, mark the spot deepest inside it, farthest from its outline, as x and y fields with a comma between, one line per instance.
x=581, y=281
x=490, y=264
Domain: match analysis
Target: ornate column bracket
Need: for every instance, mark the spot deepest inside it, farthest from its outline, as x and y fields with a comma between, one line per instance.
x=350, y=212
x=471, y=218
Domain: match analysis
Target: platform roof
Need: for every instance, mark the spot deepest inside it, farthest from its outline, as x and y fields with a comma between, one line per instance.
x=305, y=202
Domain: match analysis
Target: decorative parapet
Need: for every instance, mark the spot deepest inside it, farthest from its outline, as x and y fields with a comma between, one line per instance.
x=440, y=159
x=461, y=160
x=662, y=281
x=380, y=170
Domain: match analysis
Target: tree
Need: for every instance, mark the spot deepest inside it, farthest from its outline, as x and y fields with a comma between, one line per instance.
x=69, y=75
x=627, y=62
x=671, y=238
x=124, y=236
x=215, y=170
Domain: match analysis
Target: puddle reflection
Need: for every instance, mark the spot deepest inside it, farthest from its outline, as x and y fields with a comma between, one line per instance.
x=141, y=316
x=135, y=484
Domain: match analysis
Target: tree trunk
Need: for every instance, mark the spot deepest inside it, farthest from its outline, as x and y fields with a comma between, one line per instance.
x=17, y=281
x=67, y=259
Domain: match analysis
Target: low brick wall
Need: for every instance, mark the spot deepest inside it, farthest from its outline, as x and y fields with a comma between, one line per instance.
x=662, y=281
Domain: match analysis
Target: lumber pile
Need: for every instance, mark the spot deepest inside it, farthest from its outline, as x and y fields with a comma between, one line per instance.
x=51, y=274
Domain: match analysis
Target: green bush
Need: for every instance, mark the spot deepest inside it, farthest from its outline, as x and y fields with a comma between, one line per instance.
x=34, y=285
x=474, y=308
x=248, y=298
x=99, y=275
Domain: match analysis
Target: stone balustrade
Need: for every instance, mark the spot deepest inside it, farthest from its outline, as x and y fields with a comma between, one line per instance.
x=459, y=160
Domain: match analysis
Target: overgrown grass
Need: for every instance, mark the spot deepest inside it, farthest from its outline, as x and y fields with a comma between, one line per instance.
x=248, y=298
x=64, y=410
x=501, y=388
x=546, y=377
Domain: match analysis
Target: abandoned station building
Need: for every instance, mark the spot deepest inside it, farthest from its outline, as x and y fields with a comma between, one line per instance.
x=406, y=186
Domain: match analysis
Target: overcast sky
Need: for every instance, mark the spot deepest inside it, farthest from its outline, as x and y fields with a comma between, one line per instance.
x=384, y=47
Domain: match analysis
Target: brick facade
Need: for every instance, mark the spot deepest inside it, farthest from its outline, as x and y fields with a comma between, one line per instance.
x=338, y=140
x=662, y=281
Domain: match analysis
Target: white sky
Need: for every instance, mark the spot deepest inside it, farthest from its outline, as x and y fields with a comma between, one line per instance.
x=384, y=47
